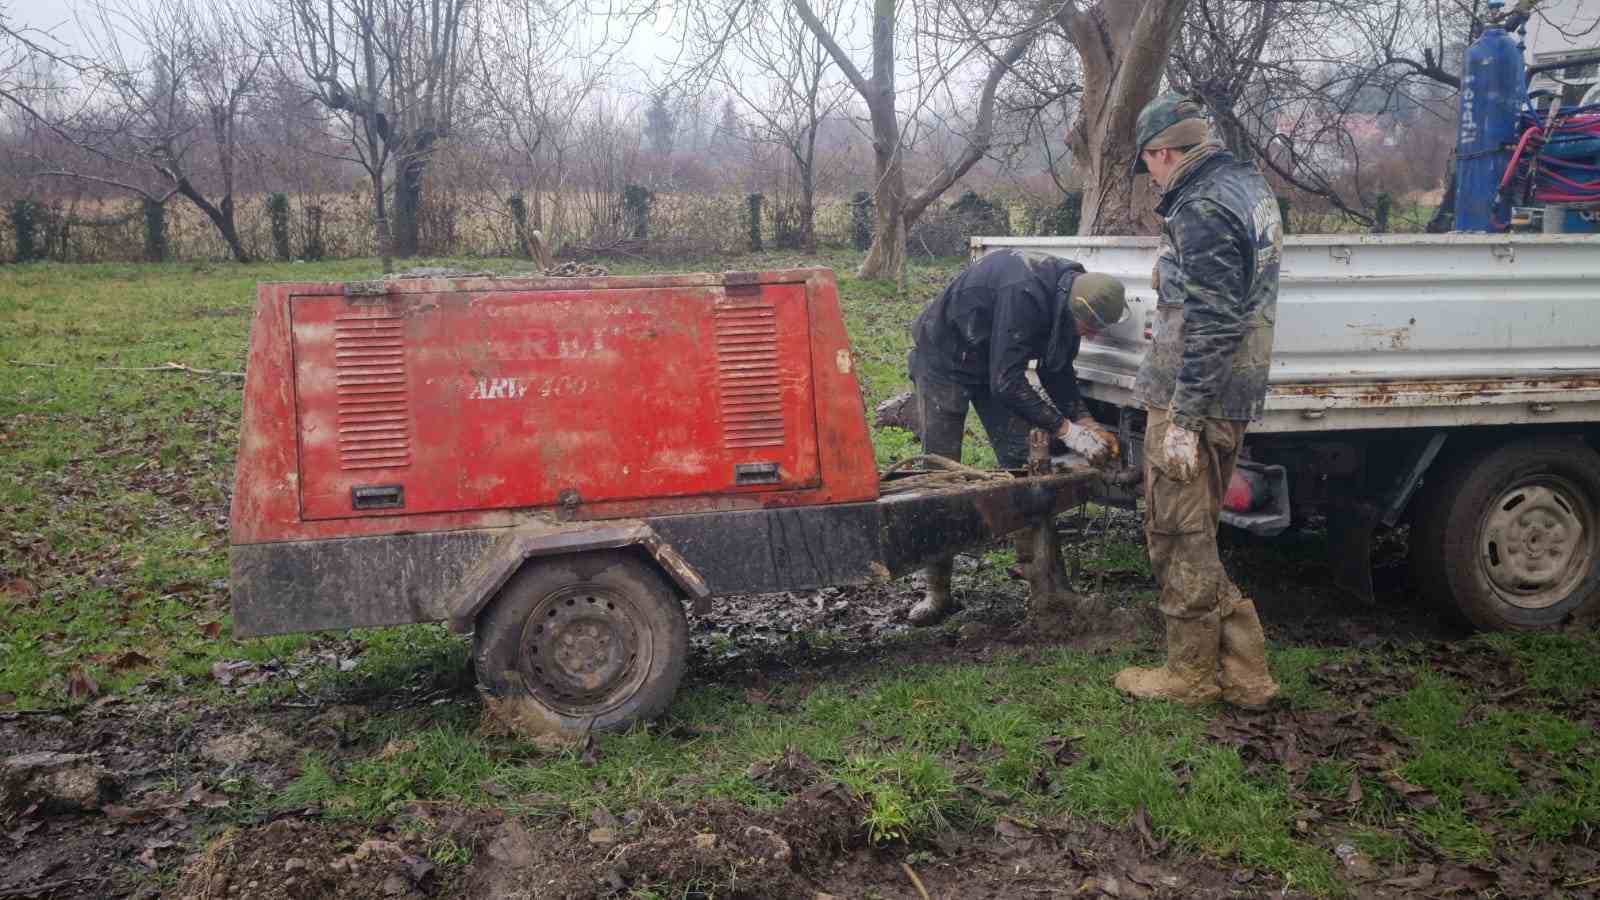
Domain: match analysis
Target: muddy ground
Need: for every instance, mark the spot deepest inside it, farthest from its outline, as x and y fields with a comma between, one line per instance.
x=148, y=801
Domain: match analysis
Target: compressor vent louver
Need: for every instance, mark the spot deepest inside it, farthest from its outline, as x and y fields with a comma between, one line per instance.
x=747, y=376
x=374, y=422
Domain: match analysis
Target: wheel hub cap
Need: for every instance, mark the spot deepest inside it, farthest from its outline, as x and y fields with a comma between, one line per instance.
x=1535, y=547
x=584, y=649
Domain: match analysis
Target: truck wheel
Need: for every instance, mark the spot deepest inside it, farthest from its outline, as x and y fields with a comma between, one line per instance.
x=590, y=642
x=1511, y=537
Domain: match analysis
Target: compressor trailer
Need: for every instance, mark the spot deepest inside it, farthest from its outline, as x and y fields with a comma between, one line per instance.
x=556, y=465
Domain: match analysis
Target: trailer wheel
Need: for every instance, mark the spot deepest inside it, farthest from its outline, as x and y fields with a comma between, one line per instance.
x=1510, y=537
x=589, y=642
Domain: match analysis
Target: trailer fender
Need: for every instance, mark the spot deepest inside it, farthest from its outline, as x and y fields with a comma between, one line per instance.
x=533, y=540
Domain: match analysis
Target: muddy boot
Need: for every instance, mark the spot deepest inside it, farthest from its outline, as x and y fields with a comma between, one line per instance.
x=938, y=603
x=1244, y=677
x=1190, y=675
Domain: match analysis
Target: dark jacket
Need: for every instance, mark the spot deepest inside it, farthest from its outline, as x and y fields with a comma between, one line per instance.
x=1006, y=309
x=1217, y=295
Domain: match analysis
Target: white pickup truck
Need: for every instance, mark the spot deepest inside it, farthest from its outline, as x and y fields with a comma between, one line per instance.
x=1449, y=382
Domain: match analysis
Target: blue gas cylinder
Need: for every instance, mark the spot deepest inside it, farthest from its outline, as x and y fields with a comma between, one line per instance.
x=1493, y=89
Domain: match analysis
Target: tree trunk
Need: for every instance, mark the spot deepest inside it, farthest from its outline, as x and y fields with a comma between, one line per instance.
x=1445, y=216
x=1123, y=45
x=888, y=251
x=808, y=210
x=222, y=218
x=409, y=170
x=380, y=221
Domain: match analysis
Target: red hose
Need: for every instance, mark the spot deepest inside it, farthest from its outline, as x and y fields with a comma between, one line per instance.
x=1517, y=157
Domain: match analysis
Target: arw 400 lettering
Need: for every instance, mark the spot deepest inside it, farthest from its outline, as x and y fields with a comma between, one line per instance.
x=518, y=388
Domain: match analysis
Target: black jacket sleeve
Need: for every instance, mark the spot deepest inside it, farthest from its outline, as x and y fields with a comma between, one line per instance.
x=1018, y=322
x=1062, y=387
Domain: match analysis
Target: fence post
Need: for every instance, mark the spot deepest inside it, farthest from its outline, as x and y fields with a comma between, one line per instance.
x=1283, y=214
x=861, y=220
x=155, y=231
x=24, y=221
x=1382, y=204
x=314, y=249
x=278, y=210
x=636, y=199
x=755, y=222
x=519, y=221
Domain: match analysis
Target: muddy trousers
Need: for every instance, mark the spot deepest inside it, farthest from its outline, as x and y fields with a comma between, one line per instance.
x=1197, y=596
x=943, y=404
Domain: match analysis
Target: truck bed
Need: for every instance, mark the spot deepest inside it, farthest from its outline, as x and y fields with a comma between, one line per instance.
x=1390, y=331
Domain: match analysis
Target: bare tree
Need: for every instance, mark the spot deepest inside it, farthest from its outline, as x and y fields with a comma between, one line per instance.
x=172, y=77
x=1315, y=78
x=539, y=70
x=394, y=70
x=795, y=91
x=896, y=207
x=1122, y=47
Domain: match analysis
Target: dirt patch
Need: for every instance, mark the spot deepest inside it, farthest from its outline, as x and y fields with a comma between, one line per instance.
x=1059, y=858
x=161, y=796
x=294, y=859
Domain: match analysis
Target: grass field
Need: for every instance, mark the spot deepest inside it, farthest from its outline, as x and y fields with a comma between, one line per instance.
x=113, y=566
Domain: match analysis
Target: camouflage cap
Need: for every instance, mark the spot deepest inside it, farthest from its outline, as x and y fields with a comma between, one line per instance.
x=1157, y=116
x=1098, y=299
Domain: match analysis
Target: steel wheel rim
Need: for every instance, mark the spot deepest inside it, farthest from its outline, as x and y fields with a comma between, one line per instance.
x=1533, y=544
x=585, y=649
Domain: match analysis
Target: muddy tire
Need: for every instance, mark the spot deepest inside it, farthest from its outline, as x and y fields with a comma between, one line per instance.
x=589, y=642
x=1509, y=537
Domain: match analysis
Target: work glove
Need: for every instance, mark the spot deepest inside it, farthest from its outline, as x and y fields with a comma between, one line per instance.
x=1087, y=439
x=1180, y=453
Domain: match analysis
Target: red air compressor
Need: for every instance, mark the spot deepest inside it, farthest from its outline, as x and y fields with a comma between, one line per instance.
x=556, y=464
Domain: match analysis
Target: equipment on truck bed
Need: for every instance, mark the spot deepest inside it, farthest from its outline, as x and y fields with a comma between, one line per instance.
x=556, y=464
x=1521, y=159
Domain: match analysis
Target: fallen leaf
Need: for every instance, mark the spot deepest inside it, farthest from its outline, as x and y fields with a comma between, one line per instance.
x=19, y=835
x=132, y=659
x=1061, y=749
x=1141, y=821
x=989, y=794
x=1423, y=878
x=420, y=869
x=132, y=814
x=80, y=685
x=1414, y=794
x=211, y=629
x=1010, y=828
x=1353, y=795
x=1470, y=878
x=19, y=587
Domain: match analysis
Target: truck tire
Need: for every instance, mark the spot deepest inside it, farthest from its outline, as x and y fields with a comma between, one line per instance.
x=1510, y=536
x=580, y=643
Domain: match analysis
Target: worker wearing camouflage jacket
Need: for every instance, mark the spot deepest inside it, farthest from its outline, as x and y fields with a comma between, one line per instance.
x=1202, y=381
x=973, y=347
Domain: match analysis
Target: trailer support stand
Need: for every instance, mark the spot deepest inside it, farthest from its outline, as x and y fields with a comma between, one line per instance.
x=1053, y=608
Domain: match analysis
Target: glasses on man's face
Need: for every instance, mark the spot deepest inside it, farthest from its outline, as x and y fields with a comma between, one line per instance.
x=1095, y=322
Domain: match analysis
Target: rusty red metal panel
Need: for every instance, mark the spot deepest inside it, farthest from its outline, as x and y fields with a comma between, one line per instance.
x=479, y=402
x=514, y=399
